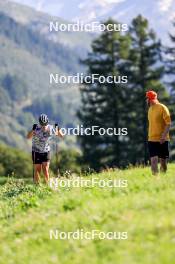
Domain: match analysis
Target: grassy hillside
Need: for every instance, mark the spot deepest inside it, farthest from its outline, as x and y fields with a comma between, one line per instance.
x=145, y=209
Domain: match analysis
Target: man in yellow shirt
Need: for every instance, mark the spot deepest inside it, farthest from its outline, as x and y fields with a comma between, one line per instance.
x=158, y=136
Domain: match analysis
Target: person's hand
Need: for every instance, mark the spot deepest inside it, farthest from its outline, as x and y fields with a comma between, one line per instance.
x=162, y=140
x=57, y=129
x=34, y=126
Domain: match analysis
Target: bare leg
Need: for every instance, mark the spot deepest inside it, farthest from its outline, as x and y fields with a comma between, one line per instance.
x=163, y=165
x=37, y=171
x=45, y=167
x=154, y=165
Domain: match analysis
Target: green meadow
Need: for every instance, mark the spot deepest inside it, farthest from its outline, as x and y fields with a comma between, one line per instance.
x=144, y=209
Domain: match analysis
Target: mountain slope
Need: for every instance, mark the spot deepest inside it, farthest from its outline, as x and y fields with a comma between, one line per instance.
x=27, y=57
x=160, y=13
x=39, y=22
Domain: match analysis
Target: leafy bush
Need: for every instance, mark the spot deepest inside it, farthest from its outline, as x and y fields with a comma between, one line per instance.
x=17, y=196
x=14, y=162
x=2, y=170
x=66, y=161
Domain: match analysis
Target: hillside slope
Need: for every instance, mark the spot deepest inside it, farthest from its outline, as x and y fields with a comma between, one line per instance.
x=27, y=57
x=160, y=13
x=145, y=210
x=26, y=60
x=39, y=22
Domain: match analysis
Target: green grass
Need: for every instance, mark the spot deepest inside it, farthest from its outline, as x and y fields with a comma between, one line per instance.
x=145, y=209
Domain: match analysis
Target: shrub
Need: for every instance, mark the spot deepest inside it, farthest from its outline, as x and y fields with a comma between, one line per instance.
x=14, y=162
x=66, y=160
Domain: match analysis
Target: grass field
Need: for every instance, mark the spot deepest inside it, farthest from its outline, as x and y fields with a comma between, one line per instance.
x=145, y=210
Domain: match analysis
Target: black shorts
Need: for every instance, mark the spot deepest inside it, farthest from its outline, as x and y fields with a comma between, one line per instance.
x=39, y=158
x=159, y=150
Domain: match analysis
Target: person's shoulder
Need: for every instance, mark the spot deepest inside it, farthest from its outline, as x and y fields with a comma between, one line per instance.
x=163, y=107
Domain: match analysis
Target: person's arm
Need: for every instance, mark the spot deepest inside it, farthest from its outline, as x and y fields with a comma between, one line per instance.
x=167, y=119
x=165, y=133
x=30, y=134
x=58, y=131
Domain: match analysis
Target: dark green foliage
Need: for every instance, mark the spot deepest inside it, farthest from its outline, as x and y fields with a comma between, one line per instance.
x=137, y=55
x=103, y=104
x=16, y=88
x=26, y=119
x=66, y=161
x=27, y=58
x=18, y=164
x=170, y=62
x=54, y=107
x=15, y=163
x=5, y=102
x=37, y=45
x=145, y=71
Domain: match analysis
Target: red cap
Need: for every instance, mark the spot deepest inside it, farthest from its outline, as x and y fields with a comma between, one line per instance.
x=151, y=95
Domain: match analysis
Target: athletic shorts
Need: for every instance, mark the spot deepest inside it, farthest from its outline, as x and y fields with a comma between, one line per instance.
x=39, y=158
x=159, y=150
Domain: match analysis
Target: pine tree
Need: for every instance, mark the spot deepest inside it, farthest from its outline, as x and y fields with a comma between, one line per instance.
x=145, y=71
x=103, y=104
x=137, y=55
x=170, y=63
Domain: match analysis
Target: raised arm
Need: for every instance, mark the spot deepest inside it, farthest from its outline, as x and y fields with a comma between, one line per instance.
x=30, y=134
x=58, y=131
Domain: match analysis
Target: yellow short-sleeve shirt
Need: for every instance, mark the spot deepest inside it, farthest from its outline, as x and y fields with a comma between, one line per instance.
x=159, y=118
